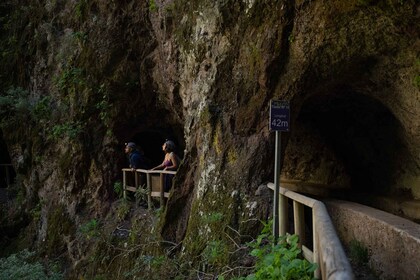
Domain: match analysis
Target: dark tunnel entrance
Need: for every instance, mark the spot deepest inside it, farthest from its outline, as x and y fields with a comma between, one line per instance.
x=363, y=135
x=7, y=172
x=151, y=141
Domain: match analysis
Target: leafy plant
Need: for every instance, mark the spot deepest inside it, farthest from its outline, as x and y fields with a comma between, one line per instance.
x=212, y=217
x=152, y=6
x=215, y=252
x=80, y=36
x=71, y=130
x=22, y=266
x=281, y=261
x=90, y=229
x=118, y=189
x=123, y=210
x=150, y=267
x=42, y=108
x=14, y=105
x=141, y=193
x=80, y=9
x=70, y=78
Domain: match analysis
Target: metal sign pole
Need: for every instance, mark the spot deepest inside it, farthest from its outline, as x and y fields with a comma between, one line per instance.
x=279, y=121
x=276, y=205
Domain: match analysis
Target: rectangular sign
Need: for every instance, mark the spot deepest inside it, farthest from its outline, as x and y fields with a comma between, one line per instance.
x=279, y=115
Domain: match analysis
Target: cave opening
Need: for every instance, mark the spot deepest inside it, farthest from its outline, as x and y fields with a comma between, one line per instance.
x=150, y=141
x=7, y=172
x=364, y=136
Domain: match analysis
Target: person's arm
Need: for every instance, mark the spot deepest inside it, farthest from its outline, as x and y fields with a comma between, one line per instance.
x=160, y=166
x=174, y=161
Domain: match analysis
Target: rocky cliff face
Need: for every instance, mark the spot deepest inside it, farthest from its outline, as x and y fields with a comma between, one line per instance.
x=88, y=76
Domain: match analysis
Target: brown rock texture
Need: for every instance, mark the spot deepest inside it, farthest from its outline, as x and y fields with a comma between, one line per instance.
x=99, y=73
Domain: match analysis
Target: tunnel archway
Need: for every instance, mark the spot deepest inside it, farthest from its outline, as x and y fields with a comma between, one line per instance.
x=347, y=139
x=150, y=141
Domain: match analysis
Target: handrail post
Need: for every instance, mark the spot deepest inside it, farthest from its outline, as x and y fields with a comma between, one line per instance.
x=284, y=214
x=315, y=245
x=124, y=184
x=136, y=184
x=162, y=189
x=136, y=179
x=299, y=221
x=149, y=192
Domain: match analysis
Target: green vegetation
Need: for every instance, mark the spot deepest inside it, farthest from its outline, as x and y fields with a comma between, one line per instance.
x=90, y=229
x=104, y=107
x=152, y=6
x=141, y=193
x=81, y=9
x=23, y=266
x=71, y=130
x=14, y=106
x=59, y=225
x=416, y=81
x=358, y=252
x=69, y=79
x=281, y=261
x=216, y=253
x=123, y=209
x=118, y=189
x=81, y=37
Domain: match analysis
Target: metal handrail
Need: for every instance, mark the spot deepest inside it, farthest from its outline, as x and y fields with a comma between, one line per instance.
x=327, y=251
x=161, y=193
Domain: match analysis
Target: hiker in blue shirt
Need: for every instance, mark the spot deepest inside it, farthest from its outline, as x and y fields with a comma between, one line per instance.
x=135, y=157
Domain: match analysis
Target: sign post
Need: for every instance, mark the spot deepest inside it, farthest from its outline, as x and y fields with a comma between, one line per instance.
x=279, y=121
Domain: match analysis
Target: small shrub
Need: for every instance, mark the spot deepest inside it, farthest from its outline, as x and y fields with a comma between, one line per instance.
x=152, y=6
x=118, y=189
x=215, y=253
x=212, y=218
x=90, y=229
x=42, y=109
x=70, y=77
x=22, y=266
x=142, y=193
x=123, y=210
x=71, y=130
x=14, y=106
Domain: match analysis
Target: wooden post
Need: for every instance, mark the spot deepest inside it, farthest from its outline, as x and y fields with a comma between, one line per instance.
x=136, y=184
x=299, y=219
x=315, y=245
x=162, y=189
x=124, y=184
x=284, y=215
x=149, y=191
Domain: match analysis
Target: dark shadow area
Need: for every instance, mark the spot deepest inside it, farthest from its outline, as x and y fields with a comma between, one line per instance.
x=362, y=133
x=7, y=172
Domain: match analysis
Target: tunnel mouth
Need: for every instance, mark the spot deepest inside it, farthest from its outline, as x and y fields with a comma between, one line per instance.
x=361, y=138
x=150, y=141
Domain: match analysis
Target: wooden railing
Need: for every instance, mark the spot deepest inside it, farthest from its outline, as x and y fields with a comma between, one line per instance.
x=151, y=180
x=7, y=167
x=327, y=250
